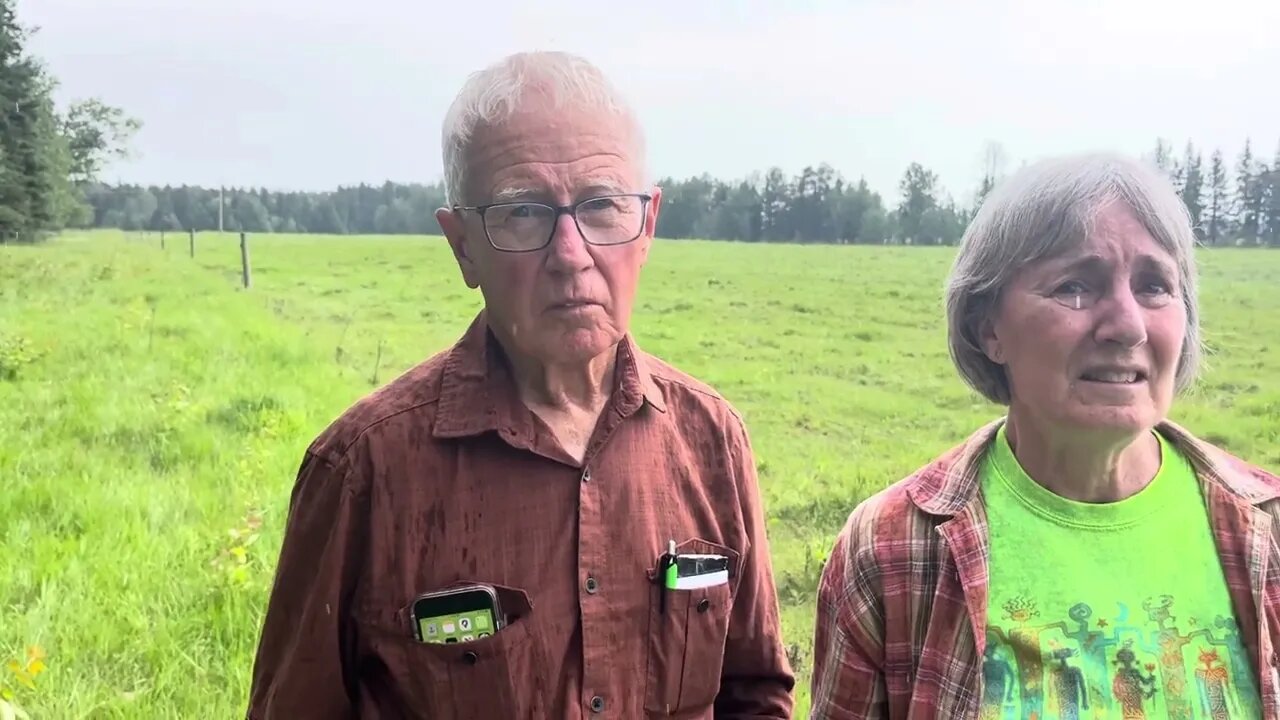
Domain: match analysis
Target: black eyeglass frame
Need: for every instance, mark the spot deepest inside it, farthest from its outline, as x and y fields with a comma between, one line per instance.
x=570, y=210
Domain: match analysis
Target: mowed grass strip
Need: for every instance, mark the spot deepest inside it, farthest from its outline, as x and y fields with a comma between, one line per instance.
x=152, y=415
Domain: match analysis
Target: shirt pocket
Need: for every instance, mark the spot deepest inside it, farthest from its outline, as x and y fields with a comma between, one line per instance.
x=687, y=633
x=499, y=676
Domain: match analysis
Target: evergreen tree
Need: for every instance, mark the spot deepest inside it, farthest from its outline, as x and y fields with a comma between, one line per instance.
x=33, y=195
x=1247, y=196
x=1219, y=201
x=1162, y=157
x=1273, y=202
x=919, y=197
x=1193, y=188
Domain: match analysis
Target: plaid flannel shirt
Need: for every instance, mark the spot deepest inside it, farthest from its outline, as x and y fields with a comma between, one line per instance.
x=902, y=604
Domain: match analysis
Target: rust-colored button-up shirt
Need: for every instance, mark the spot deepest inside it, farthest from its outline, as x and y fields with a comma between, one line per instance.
x=444, y=477
x=902, y=605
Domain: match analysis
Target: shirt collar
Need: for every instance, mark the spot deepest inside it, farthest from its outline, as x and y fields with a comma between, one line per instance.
x=950, y=483
x=633, y=366
x=478, y=393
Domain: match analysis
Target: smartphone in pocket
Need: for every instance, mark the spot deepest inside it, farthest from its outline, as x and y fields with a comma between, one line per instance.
x=457, y=615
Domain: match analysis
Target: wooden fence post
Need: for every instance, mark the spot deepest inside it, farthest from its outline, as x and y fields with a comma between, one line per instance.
x=244, y=260
x=377, y=364
x=161, y=239
x=191, y=235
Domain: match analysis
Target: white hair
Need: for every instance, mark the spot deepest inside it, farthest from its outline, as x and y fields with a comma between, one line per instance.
x=1046, y=209
x=495, y=93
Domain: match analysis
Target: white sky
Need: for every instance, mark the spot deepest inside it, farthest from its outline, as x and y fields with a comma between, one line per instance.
x=310, y=94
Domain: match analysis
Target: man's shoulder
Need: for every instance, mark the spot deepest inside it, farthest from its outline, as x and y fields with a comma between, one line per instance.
x=415, y=392
x=686, y=392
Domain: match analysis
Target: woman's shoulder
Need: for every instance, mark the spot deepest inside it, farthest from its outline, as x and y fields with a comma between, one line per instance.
x=1256, y=473
x=1240, y=476
x=900, y=520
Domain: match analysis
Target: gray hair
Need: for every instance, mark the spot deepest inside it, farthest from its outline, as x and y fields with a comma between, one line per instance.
x=495, y=93
x=1040, y=212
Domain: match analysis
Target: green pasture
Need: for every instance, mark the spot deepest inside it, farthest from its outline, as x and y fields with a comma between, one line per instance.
x=153, y=413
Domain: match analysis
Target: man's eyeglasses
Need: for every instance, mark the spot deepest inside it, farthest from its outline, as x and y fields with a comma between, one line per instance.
x=529, y=226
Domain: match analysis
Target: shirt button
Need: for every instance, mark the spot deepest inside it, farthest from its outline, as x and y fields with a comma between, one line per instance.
x=586, y=476
x=704, y=605
x=592, y=585
x=470, y=658
x=597, y=704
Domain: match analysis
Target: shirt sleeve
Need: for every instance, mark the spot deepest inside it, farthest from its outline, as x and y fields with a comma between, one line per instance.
x=305, y=660
x=757, y=680
x=848, y=674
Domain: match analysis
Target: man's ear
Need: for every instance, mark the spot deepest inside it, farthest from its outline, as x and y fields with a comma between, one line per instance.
x=651, y=222
x=455, y=231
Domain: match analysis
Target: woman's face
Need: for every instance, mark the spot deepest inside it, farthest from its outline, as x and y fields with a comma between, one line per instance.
x=1090, y=340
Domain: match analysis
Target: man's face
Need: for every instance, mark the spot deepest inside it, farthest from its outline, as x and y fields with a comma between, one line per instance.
x=569, y=301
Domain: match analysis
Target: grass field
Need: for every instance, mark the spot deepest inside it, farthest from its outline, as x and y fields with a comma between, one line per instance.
x=152, y=415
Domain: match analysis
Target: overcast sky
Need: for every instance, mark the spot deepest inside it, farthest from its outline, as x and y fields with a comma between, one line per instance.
x=310, y=94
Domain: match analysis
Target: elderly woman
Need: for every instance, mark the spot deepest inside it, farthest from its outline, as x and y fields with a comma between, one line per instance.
x=1082, y=556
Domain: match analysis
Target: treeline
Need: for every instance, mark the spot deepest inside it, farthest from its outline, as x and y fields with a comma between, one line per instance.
x=390, y=208
x=815, y=206
x=1240, y=207
x=1237, y=205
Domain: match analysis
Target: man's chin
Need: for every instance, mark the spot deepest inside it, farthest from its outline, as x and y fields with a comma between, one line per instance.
x=581, y=345
x=577, y=346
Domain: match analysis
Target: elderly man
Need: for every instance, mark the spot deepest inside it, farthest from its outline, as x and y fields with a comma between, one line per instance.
x=601, y=505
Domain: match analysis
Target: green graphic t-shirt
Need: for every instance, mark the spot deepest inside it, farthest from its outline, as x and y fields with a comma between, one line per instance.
x=1115, y=610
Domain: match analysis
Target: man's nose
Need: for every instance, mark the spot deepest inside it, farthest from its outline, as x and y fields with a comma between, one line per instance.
x=568, y=252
